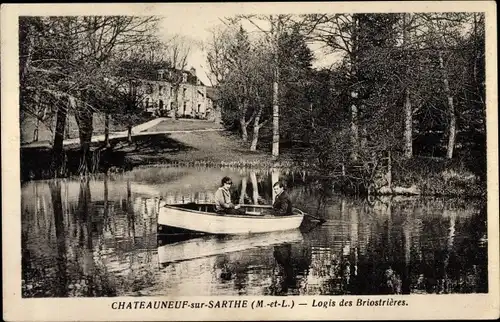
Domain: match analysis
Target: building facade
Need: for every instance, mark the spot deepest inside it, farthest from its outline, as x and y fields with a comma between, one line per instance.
x=159, y=94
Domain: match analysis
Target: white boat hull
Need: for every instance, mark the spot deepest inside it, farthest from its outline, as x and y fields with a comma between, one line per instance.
x=226, y=224
x=211, y=245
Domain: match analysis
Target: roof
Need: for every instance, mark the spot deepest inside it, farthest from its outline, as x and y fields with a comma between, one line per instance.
x=150, y=73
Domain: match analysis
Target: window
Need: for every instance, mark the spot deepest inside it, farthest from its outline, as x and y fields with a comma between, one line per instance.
x=161, y=104
x=147, y=103
x=171, y=91
x=171, y=105
x=184, y=92
x=184, y=107
x=184, y=77
x=160, y=90
x=199, y=107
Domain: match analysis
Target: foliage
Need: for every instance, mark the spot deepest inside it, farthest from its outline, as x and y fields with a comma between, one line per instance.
x=431, y=63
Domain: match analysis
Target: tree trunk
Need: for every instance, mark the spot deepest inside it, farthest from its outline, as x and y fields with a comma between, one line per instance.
x=35, y=131
x=276, y=114
x=256, y=129
x=452, y=129
x=354, y=132
x=176, y=102
x=39, y=117
x=255, y=137
x=57, y=162
x=354, y=58
x=106, y=130
x=451, y=109
x=243, y=125
x=408, y=113
x=85, y=129
x=276, y=30
x=243, y=121
x=389, y=169
x=408, y=132
x=129, y=133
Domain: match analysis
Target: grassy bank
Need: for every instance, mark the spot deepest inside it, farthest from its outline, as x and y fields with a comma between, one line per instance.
x=211, y=148
x=439, y=177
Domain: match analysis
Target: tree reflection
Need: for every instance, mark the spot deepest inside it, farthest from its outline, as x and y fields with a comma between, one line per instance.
x=130, y=213
x=233, y=268
x=243, y=190
x=286, y=277
x=385, y=246
x=255, y=187
x=106, y=219
x=62, y=280
x=275, y=176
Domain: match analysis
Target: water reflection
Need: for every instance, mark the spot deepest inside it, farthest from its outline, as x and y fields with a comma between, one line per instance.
x=99, y=238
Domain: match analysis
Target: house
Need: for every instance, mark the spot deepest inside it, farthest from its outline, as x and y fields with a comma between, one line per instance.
x=158, y=92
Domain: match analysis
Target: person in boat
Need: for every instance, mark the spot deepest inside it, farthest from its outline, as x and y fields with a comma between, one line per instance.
x=282, y=205
x=223, y=204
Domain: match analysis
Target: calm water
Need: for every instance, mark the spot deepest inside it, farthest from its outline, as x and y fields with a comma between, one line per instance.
x=100, y=238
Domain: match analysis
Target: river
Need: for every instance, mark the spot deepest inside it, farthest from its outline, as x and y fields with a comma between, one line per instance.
x=99, y=237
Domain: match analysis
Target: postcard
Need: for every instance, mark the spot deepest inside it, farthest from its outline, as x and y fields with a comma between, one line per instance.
x=250, y=161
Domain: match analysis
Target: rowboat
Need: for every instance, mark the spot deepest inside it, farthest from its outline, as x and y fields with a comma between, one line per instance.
x=212, y=245
x=202, y=218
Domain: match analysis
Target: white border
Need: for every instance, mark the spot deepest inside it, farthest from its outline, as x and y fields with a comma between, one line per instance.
x=85, y=309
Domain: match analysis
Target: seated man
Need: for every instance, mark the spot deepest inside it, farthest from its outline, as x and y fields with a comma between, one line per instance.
x=282, y=205
x=223, y=204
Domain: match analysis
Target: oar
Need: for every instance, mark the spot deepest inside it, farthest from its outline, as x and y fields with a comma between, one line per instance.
x=321, y=220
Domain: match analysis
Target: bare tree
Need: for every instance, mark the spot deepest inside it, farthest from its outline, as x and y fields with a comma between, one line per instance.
x=408, y=112
x=272, y=27
x=339, y=32
x=217, y=49
x=443, y=30
x=178, y=50
x=68, y=59
x=231, y=57
x=262, y=60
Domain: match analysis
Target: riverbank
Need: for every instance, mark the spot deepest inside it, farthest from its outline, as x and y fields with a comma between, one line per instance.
x=184, y=143
x=439, y=177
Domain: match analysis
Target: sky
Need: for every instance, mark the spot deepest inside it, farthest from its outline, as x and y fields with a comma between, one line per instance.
x=195, y=22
